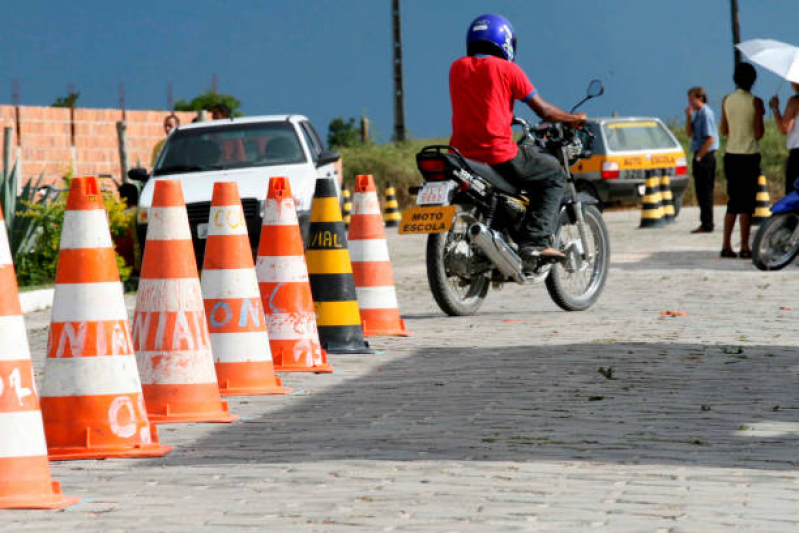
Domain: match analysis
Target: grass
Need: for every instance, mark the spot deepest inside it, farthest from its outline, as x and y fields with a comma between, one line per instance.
x=396, y=163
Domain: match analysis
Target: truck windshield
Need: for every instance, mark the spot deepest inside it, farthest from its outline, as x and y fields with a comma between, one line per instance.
x=637, y=135
x=230, y=146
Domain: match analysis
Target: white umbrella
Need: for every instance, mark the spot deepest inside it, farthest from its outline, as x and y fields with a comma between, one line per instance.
x=780, y=58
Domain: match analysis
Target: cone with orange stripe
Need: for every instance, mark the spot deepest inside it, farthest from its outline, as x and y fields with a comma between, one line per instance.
x=25, y=479
x=170, y=332
x=91, y=396
x=284, y=286
x=236, y=321
x=371, y=268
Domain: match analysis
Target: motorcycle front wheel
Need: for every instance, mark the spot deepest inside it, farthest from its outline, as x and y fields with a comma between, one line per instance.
x=575, y=284
x=775, y=246
x=449, y=259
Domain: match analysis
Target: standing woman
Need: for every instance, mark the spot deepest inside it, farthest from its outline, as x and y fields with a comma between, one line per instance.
x=788, y=125
x=742, y=124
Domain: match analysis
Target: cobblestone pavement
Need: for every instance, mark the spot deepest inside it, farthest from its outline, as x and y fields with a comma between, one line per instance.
x=502, y=422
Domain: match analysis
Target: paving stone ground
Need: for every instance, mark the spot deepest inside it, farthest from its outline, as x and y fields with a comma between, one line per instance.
x=502, y=422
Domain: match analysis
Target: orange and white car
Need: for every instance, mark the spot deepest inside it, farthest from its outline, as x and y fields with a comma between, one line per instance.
x=626, y=150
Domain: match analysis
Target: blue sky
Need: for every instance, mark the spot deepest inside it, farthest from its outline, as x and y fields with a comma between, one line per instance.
x=326, y=58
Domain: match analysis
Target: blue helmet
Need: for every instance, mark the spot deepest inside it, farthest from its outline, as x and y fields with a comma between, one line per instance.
x=491, y=34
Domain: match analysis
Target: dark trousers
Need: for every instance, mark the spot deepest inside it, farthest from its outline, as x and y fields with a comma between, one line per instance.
x=543, y=179
x=704, y=171
x=791, y=170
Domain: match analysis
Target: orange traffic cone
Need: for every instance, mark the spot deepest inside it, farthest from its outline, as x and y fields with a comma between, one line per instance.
x=239, y=340
x=285, y=289
x=91, y=396
x=170, y=333
x=374, y=281
x=25, y=480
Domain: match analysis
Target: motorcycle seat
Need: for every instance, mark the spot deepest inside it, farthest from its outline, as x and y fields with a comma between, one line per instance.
x=493, y=177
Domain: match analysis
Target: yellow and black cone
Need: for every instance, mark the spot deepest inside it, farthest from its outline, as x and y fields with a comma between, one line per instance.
x=762, y=201
x=652, y=209
x=666, y=196
x=391, y=213
x=346, y=204
x=330, y=272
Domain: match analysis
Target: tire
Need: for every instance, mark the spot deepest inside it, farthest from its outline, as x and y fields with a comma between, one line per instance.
x=443, y=284
x=772, y=249
x=677, y=206
x=593, y=276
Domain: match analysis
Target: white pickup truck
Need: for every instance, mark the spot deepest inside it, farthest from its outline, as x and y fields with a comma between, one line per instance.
x=248, y=151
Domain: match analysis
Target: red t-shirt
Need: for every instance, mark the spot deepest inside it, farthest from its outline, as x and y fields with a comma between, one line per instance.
x=482, y=91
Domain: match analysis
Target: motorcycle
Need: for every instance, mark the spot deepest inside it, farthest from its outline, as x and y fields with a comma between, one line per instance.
x=776, y=243
x=473, y=217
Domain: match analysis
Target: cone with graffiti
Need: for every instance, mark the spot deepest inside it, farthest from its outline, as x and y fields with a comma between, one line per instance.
x=236, y=323
x=170, y=332
x=330, y=272
x=92, y=401
x=25, y=478
x=284, y=286
x=371, y=267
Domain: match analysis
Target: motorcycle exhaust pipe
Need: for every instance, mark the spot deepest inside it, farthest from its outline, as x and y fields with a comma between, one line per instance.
x=497, y=250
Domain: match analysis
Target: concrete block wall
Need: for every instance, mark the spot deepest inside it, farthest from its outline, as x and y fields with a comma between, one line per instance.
x=44, y=140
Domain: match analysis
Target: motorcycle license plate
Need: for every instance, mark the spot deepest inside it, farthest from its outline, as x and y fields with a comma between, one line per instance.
x=436, y=193
x=427, y=219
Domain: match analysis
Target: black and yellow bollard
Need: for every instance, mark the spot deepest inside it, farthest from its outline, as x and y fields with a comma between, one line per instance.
x=762, y=201
x=346, y=204
x=652, y=209
x=391, y=214
x=330, y=272
x=666, y=196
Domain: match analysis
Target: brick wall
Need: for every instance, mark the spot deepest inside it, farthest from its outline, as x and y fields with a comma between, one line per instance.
x=46, y=145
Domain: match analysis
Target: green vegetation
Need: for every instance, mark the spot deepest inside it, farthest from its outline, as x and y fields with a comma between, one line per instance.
x=391, y=162
x=208, y=100
x=69, y=100
x=343, y=133
x=773, y=157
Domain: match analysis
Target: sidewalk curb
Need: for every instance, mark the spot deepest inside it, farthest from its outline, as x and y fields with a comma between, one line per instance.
x=36, y=300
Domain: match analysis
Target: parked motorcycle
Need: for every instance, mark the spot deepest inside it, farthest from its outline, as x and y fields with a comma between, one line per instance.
x=776, y=243
x=474, y=216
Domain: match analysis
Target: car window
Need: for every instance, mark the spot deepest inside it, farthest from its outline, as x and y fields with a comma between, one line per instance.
x=637, y=135
x=314, y=143
x=232, y=146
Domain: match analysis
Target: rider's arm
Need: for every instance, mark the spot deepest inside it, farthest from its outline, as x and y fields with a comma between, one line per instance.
x=552, y=113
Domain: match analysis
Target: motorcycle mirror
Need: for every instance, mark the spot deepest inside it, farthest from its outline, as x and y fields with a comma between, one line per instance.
x=595, y=88
x=138, y=174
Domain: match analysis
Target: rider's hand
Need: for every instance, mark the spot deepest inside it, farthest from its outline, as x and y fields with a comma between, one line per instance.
x=579, y=119
x=689, y=111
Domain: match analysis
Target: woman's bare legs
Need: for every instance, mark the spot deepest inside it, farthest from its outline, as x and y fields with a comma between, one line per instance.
x=729, y=224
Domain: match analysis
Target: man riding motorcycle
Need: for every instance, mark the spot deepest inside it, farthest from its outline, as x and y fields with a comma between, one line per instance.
x=483, y=87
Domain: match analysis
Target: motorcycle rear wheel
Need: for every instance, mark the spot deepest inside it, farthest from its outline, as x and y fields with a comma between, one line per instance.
x=772, y=249
x=577, y=290
x=455, y=295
